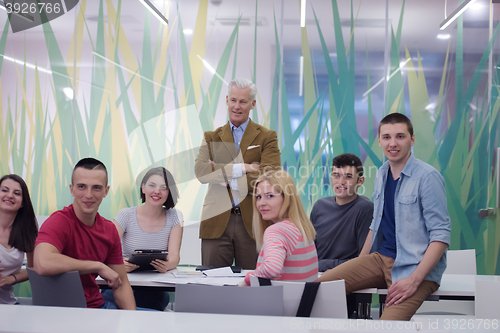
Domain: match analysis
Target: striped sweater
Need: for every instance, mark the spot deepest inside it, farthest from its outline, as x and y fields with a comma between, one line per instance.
x=285, y=255
x=134, y=238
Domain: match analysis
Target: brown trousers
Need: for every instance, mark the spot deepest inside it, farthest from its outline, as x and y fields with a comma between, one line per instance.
x=374, y=271
x=234, y=244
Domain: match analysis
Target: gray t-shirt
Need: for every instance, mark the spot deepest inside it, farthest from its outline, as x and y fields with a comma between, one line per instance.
x=134, y=238
x=341, y=230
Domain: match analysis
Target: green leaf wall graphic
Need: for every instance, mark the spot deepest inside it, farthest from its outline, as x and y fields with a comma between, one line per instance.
x=149, y=105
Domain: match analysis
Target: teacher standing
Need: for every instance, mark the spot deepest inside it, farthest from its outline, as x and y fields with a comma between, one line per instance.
x=229, y=160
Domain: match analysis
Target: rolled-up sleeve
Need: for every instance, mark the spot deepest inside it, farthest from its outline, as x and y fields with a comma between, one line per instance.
x=434, y=208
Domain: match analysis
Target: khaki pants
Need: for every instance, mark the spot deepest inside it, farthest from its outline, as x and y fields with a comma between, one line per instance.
x=374, y=271
x=234, y=244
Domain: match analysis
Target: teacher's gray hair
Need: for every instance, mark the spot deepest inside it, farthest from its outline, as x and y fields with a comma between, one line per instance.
x=242, y=82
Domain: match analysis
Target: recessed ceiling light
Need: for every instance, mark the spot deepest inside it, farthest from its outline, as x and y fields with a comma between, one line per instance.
x=443, y=36
x=430, y=106
x=68, y=91
x=188, y=31
x=476, y=6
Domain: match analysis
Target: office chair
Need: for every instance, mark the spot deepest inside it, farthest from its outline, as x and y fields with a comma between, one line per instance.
x=229, y=300
x=330, y=300
x=57, y=290
x=458, y=262
x=486, y=299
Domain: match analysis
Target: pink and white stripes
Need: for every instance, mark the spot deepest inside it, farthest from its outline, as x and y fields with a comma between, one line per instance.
x=285, y=255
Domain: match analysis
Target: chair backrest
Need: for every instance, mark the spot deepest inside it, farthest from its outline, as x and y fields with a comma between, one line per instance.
x=486, y=298
x=229, y=300
x=330, y=300
x=57, y=290
x=461, y=262
x=40, y=219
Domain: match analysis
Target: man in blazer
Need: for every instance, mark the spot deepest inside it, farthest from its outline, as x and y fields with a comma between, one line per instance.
x=229, y=160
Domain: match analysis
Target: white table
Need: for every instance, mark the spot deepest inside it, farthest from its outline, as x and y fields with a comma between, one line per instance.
x=458, y=286
x=143, y=279
x=26, y=319
x=455, y=286
x=149, y=279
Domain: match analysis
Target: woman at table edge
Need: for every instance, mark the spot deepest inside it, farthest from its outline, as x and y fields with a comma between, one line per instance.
x=154, y=225
x=283, y=232
x=18, y=231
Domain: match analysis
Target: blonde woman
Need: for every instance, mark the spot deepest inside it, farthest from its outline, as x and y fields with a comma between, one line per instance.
x=283, y=232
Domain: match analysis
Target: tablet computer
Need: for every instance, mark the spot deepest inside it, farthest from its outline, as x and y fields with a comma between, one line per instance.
x=143, y=258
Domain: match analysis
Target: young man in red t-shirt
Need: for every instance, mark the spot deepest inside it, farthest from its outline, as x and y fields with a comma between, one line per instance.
x=77, y=238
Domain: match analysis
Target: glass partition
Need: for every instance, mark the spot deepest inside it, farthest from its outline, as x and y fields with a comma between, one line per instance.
x=107, y=79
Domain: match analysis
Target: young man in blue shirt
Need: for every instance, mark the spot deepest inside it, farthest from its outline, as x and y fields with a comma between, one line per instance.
x=405, y=249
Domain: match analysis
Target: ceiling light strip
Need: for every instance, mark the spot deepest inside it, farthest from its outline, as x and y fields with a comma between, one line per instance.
x=301, y=76
x=302, y=13
x=401, y=65
x=154, y=11
x=462, y=8
x=211, y=69
x=48, y=71
x=21, y=62
x=131, y=71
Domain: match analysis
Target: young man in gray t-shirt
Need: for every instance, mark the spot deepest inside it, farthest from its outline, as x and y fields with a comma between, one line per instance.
x=342, y=221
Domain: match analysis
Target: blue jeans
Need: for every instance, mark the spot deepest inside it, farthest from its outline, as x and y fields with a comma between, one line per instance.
x=109, y=305
x=112, y=306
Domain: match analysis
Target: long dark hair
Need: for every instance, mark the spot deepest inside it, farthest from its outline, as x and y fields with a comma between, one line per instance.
x=25, y=228
x=173, y=194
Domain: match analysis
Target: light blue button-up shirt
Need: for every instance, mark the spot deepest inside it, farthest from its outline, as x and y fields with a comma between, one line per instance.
x=421, y=217
x=238, y=133
x=237, y=168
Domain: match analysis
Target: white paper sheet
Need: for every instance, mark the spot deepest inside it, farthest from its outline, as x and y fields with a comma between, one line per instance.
x=222, y=272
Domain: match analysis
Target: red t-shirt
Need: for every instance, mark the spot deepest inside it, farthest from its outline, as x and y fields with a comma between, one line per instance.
x=71, y=237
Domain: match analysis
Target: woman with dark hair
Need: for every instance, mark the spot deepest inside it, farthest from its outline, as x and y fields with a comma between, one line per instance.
x=156, y=225
x=18, y=231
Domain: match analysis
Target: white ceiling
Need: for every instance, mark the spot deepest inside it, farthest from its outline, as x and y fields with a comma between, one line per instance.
x=419, y=32
x=420, y=22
